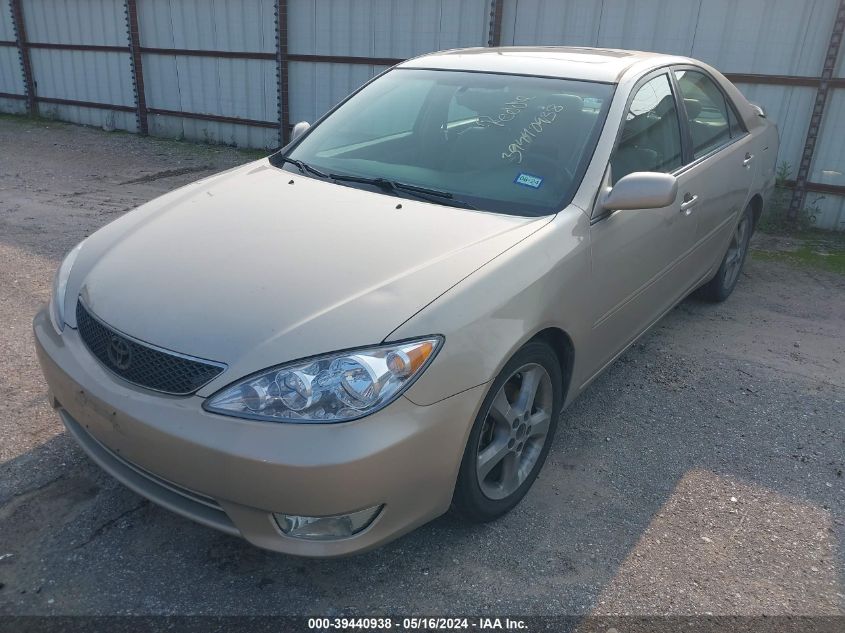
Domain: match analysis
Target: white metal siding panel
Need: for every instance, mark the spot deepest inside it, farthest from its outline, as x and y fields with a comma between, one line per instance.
x=227, y=87
x=829, y=161
x=320, y=86
x=83, y=75
x=830, y=210
x=11, y=75
x=227, y=25
x=779, y=37
x=155, y=26
x=385, y=28
x=161, y=81
x=100, y=22
x=330, y=29
x=403, y=28
x=464, y=23
x=666, y=26
x=213, y=132
x=12, y=106
x=551, y=22
x=106, y=119
x=369, y=28
x=7, y=29
x=245, y=25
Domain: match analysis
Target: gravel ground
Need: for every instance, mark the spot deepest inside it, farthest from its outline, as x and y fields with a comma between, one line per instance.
x=701, y=474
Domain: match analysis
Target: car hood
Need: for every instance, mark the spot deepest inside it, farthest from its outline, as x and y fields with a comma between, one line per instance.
x=257, y=266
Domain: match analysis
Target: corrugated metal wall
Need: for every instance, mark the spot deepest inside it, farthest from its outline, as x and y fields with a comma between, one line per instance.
x=99, y=76
x=240, y=88
x=211, y=68
x=773, y=37
x=391, y=29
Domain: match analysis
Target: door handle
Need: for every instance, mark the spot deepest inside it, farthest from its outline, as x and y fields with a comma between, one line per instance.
x=689, y=202
x=748, y=158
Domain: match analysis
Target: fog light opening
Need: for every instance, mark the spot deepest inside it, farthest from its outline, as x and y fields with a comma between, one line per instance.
x=326, y=528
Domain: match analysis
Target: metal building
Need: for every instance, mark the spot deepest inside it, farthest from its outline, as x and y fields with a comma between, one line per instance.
x=242, y=71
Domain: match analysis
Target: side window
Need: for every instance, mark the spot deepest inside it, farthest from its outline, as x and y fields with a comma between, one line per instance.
x=651, y=134
x=707, y=111
x=736, y=127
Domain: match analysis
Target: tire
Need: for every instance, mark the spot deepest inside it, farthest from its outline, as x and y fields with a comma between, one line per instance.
x=724, y=281
x=511, y=434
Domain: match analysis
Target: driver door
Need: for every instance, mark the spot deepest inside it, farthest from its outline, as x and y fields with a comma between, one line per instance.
x=640, y=260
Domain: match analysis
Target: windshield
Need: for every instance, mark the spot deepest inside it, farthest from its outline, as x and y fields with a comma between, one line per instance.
x=506, y=143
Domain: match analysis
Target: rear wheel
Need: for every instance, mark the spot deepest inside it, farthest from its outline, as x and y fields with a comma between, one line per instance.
x=721, y=286
x=511, y=435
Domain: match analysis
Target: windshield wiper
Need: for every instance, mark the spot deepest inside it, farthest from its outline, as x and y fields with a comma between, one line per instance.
x=303, y=167
x=394, y=186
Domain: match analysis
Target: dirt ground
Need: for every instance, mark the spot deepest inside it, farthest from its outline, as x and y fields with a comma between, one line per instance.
x=701, y=474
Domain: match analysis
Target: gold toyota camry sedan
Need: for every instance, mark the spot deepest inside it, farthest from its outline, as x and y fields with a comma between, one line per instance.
x=324, y=349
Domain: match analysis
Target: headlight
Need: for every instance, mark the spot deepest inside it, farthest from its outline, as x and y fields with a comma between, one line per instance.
x=333, y=388
x=57, y=299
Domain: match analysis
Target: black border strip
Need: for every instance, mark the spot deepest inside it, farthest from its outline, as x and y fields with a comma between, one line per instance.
x=85, y=104
x=23, y=52
x=96, y=48
x=282, y=70
x=137, y=66
x=214, y=117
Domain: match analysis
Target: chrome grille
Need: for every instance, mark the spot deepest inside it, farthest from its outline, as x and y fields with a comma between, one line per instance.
x=141, y=363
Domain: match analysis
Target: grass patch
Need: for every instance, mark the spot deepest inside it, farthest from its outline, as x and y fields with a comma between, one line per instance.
x=828, y=255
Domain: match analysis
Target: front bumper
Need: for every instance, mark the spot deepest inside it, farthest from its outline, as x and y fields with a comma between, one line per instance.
x=231, y=474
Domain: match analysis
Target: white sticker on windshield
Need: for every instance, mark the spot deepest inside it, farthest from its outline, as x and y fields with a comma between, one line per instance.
x=527, y=180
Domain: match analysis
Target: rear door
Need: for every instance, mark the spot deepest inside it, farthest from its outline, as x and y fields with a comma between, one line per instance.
x=721, y=163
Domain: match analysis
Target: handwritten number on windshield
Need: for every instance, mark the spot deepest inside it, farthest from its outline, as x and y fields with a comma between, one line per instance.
x=509, y=112
x=531, y=132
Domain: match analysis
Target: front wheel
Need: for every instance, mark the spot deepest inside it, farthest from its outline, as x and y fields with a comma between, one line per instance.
x=511, y=435
x=721, y=286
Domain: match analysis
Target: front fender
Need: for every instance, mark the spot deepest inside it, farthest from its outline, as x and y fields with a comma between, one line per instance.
x=541, y=282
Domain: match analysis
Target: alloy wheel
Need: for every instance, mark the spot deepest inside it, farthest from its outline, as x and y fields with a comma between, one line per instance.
x=736, y=252
x=514, y=432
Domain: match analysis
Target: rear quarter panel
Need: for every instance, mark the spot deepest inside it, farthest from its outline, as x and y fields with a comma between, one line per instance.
x=768, y=144
x=764, y=132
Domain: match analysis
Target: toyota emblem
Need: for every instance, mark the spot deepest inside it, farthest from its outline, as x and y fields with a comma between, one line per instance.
x=119, y=352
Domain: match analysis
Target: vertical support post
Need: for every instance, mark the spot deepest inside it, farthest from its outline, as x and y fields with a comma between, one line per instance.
x=137, y=66
x=800, y=192
x=23, y=54
x=282, y=69
x=495, y=34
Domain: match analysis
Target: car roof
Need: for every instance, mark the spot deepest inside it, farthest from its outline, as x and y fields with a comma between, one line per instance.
x=593, y=64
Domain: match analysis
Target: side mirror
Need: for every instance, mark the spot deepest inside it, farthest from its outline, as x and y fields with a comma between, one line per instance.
x=641, y=190
x=299, y=129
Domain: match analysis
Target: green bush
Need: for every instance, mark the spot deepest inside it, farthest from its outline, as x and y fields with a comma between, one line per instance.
x=775, y=216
